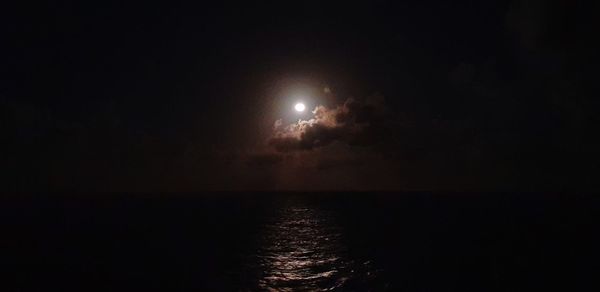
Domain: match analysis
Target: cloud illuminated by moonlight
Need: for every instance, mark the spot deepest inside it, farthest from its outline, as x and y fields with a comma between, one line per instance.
x=353, y=122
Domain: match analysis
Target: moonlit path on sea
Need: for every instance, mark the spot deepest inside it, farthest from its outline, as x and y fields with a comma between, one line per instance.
x=302, y=249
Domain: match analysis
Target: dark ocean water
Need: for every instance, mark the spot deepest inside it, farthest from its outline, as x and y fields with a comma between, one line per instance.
x=300, y=242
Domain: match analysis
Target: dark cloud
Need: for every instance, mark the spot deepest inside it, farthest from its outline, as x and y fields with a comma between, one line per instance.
x=264, y=159
x=543, y=25
x=354, y=122
x=330, y=163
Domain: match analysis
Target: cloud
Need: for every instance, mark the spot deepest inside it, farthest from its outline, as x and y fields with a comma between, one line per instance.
x=354, y=122
x=541, y=25
x=264, y=159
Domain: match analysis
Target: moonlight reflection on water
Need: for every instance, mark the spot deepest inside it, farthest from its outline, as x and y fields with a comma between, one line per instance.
x=302, y=249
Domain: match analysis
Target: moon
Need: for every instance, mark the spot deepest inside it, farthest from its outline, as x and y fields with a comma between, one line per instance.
x=299, y=107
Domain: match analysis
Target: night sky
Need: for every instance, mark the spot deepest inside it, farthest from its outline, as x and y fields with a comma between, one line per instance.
x=197, y=96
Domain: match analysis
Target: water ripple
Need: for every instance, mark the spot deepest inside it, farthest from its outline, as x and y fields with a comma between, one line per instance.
x=302, y=249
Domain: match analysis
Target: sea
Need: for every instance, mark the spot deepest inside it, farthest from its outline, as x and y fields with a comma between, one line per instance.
x=292, y=241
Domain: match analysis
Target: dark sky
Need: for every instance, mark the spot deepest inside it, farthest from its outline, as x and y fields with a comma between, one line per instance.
x=184, y=96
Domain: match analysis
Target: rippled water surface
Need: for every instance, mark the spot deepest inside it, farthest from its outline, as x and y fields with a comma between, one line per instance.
x=302, y=248
x=301, y=242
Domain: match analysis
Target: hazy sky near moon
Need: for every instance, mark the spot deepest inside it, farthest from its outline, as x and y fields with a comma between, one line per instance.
x=428, y=95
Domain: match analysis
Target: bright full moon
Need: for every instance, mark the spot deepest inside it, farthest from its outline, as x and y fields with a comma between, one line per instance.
x=299, y=107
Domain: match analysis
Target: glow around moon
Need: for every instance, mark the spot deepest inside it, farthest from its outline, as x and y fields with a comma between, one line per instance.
x=299, y=107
